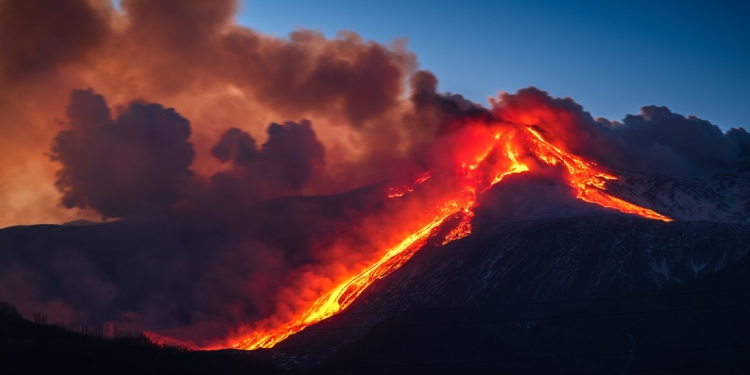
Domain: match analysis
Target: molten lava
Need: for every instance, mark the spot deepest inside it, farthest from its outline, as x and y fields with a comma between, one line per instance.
x=344, y=294
x=585, y=178
x=492, y=156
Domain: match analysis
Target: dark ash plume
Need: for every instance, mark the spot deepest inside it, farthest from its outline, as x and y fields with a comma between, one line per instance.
x=655, y=141
x=281, y=166
x=741, y=137
x=136, y=166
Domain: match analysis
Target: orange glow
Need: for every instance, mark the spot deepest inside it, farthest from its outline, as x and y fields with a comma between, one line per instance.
x=515, y=166
x=399, y=191
x=490, y=158
x=344, y=294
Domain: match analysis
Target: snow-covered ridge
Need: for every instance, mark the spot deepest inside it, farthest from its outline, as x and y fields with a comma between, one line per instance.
x=723, y=198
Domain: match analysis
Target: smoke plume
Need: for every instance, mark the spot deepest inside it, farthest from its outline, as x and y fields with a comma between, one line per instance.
x=280, y=167
x=655, y=141
x=136, y=166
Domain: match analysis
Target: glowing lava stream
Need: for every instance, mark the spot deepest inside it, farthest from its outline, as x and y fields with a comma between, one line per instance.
x=344, y=294
x=583, y=176
x=588, y=182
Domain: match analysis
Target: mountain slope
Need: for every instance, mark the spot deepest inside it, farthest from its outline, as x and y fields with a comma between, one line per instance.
x=533, y=245
x=30, y=348
x=527, y=265
x=724, y=197
x=699, y=327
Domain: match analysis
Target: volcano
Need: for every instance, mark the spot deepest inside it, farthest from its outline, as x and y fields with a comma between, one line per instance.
x=527, y=293
x=552, y=270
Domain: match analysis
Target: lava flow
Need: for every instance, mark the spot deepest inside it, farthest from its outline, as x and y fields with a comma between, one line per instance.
x=493, y=156
x=344, y=294
x=585, y=178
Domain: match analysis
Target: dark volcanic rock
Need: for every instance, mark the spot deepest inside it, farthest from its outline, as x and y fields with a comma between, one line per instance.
x=724, y=197
x=699, y=327
x=503, y=296
x=519, y=270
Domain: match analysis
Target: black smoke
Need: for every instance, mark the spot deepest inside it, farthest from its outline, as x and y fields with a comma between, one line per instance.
x=281, y=166
x=655, y=141
x=135, y=166
x=203, y=254
x=741, y=137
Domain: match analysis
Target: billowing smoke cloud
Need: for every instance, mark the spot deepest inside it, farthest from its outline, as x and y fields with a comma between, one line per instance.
x=62, y=33
x=136, y=166
x=444, y=109
x=280, y=167
x=741, y=137
x=238, y=255
x=190, y=55
x=655, y=141
x=232, y=222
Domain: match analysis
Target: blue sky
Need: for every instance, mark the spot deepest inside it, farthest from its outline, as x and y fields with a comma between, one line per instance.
x=610, y=56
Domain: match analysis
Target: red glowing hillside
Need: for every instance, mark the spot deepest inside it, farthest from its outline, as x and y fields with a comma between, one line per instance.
x=492, y=154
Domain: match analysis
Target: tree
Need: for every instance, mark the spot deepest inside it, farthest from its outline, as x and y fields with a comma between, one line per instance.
x=39, y=318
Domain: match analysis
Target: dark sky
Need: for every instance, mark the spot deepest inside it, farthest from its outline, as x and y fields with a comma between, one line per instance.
x=613, y=57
